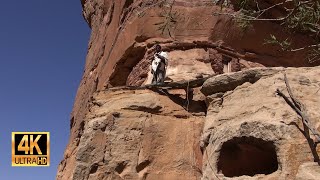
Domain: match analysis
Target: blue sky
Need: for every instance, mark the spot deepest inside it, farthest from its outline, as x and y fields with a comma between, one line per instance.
x=43, y=45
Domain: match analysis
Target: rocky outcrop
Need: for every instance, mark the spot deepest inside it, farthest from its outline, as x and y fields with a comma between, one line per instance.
x=250, y=131
x=155, y=134
x=245, y=132
x=138, y=134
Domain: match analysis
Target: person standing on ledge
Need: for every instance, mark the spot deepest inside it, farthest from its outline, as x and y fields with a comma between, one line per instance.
x=159, y=65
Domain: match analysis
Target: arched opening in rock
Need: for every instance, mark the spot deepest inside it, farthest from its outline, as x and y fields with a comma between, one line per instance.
x=247, y=156
x=125, y=65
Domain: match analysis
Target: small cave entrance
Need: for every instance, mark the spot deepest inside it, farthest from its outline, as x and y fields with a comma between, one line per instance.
x=125, y=65
x=247, y=156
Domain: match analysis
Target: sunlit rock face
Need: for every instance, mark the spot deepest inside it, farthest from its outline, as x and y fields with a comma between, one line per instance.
x=252, y=133
x=146, y=134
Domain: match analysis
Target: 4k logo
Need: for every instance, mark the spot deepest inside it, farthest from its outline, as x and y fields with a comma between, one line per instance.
x=30, y=149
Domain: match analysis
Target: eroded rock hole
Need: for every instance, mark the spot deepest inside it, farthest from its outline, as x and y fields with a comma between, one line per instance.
x=125, y=65
x=247, y=156
x=121, y=166
x=94, y=168
x=142, y=165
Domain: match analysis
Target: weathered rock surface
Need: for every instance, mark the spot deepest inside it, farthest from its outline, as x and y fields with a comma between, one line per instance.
x=308, y=171
x=228, y=82
x=141, y=134
x=249, y=130
x=138, y=135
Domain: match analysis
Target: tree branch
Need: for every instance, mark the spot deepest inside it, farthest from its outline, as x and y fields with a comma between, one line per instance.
x=261, y=12
x=305, y=47
x=299, y=109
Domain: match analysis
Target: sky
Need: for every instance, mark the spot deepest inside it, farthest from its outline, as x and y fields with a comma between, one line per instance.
x=43, y=45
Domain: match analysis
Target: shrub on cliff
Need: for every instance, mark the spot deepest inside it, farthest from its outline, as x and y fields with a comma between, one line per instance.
x=295, y=16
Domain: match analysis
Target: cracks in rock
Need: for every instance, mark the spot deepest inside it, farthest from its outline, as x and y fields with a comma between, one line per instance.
x=141, y=166
x=116, y=114
x=81, y=130
x=179, y=116
x=188, y=103
x=94, y=67
x=204, y=142
x=152, y=110
x=62, y=164
x=72, y=122
x=126, y=10
x=96, y=83
x=110, y=14
x=121, y=167
x=94, y=168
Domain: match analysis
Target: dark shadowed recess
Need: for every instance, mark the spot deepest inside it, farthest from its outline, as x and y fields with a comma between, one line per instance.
x=247, y=156
x=125, y=65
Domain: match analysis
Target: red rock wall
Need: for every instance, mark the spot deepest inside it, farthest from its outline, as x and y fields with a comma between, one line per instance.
x=124, y=32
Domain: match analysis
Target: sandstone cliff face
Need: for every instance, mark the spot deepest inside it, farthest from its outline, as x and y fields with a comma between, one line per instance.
x=137, y=133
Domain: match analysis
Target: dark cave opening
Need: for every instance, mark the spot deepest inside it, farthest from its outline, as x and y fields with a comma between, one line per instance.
x=247, y=156
x=125, y=65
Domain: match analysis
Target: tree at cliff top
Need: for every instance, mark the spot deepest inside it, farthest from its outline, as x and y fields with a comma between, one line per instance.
x=295, y=16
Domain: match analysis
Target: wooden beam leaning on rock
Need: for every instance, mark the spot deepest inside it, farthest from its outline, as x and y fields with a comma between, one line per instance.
x=184, y=84
x=300, y=110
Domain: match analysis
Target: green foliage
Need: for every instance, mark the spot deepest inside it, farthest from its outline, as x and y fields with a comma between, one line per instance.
x=244, y=19
x=285, y=45
x=314, y=55
x=305, y=18
x=296, y=16
x=170, y=18
x=243, y=4
x=243, y=23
